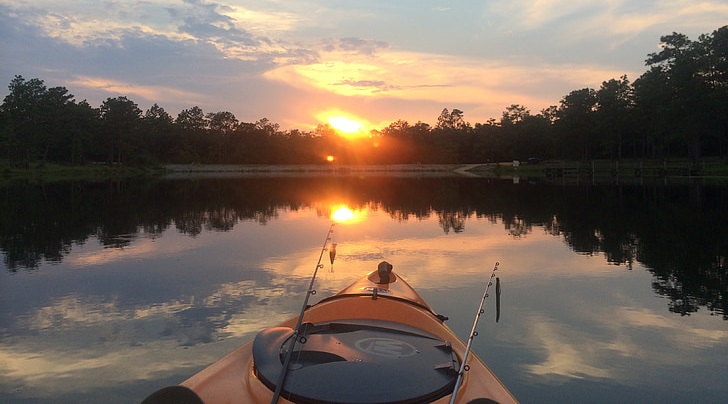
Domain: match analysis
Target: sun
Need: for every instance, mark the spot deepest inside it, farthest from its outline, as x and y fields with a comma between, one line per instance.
x=346, y=125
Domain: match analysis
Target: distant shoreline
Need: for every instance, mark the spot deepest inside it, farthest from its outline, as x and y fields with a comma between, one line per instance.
x=314, y=167
x=557, y=170
x=217, y=170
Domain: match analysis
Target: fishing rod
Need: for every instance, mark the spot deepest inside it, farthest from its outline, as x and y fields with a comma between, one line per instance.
x=473, y=334
x=296, y=330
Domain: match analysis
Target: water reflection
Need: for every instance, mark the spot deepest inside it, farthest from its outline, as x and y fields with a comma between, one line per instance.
x=677, y=231
x=113, y=289
x=343, y=214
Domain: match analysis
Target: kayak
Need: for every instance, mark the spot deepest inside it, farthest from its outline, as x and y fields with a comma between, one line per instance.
x=376, y=341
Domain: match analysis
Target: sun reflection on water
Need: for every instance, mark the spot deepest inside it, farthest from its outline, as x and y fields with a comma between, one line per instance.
x=344, y=214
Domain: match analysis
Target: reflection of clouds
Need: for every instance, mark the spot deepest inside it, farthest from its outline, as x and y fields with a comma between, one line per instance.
x=617, y=345
x=565, y=355
x=230, y=291
x=140, y=248
x=255, y=319
x=79, y=343
x=686, y=337
x=471, y=253
x=47, y=371
x=74, y=311
x=420, y=251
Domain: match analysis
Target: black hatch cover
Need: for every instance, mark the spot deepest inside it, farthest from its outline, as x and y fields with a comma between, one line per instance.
x=357, y=362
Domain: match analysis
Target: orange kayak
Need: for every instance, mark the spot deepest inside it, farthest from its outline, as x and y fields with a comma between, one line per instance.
x=376, y=341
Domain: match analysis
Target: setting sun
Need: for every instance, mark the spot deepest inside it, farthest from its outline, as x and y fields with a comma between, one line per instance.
x=346, y=125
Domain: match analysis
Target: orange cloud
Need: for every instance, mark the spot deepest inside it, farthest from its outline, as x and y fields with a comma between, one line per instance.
x=150, y=93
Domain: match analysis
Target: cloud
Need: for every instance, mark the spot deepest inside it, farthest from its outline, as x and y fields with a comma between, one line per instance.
x=205, y=22
x=532, y=15
x=441, y=78
x=612, y=16
x=361, y=46
x=609, y=33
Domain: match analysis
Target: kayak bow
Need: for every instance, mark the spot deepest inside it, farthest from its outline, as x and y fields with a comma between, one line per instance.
x=376, y=341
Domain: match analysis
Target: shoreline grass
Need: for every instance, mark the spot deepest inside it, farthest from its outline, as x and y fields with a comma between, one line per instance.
x=50, y=172
x=596, y=170
x=605, y=169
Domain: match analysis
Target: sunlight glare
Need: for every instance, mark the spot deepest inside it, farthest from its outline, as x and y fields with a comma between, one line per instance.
x=346, y=125
x=342, y=214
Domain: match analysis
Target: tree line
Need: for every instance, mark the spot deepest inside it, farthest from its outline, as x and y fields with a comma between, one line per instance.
x=678, y=108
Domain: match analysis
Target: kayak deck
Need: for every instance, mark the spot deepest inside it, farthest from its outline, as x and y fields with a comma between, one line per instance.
x=368, y=362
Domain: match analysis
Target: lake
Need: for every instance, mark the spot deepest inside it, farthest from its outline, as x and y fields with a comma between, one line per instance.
x=611, y=292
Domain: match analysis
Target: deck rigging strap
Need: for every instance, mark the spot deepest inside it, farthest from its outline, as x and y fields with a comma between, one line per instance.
x=296, y=330
x=473, y=334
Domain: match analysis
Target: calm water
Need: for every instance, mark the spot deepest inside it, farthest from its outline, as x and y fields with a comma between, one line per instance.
x=111, y=290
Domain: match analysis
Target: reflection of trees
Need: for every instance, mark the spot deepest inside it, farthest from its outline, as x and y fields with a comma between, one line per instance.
x=678, y=232
x=454, y=221
x=517, y=226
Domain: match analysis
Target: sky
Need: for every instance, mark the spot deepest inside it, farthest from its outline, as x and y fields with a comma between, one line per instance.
x=300, y=63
